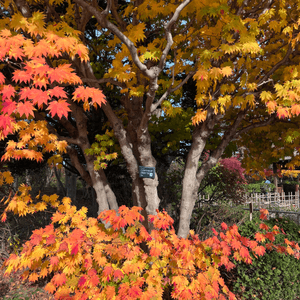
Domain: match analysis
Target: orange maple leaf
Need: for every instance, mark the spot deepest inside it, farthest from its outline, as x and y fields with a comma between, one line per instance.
x=259, y=250
x=282, y=112
x=59, y=279
x=59, y=108
x=84, y=93
x=260, y=237
x=50, y=287
x=295, y=110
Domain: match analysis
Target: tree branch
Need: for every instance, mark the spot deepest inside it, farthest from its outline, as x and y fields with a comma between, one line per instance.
x=104, y=80
x=170, y=91
x=79, y=167
x=257, y=125
x=216, y=154
x=101, y=18
x=169, y=38
x=280, y=63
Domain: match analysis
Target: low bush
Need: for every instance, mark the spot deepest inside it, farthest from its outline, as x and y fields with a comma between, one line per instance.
x=84, y=259
x=273, y=276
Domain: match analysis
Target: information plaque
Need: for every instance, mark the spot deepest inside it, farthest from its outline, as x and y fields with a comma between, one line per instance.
x=146, y=172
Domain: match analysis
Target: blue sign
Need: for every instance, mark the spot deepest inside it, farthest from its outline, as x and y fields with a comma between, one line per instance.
x=146, y=172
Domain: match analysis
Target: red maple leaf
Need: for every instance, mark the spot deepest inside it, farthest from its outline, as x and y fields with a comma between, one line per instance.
x=39, y=97
x=225, y=248
x=63, y=73
x=263, y=214
x=54, y=260
x=8, y=107
x=118, y=274
x=245, y=241
x=50, y=240
x=59, y=108
x=75, y=249
x=8, y=91
x=135, y=292
x=263, y=226
x=107, y=270
x=63, y=247
x=35, y=239
x=214, y=231
x=21, y=76
x=2, y=78
x=224, y=226
x=25, y=109
x=270, y=236
x=82, y=280
x=57, y=92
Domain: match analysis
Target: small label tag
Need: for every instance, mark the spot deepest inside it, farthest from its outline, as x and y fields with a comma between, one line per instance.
x=146, y=172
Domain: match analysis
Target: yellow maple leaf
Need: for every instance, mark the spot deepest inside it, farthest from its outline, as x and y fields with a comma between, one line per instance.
x=226, y=71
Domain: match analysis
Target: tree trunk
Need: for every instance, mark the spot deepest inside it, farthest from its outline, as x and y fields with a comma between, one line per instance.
x=190, y=185
x=192, y=180
x=60, y=187
x=71, y=188
x=97, y=179
x=192, y=176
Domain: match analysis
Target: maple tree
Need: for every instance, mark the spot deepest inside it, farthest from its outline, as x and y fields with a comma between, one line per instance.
x=241, y=57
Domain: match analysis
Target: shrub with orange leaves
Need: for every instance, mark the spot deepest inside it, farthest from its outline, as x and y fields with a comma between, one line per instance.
x=90, y=260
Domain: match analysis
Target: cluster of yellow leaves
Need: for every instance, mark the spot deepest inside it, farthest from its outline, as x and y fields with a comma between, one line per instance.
x=32, y=136
x=94, y=261
x=22, y=203
x=101, y=148
x=6, y=177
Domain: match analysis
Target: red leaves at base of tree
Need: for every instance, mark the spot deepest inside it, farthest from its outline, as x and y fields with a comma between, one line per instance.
x=90, y=260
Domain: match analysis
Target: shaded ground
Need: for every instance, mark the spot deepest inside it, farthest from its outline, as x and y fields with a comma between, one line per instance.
x=12, y=288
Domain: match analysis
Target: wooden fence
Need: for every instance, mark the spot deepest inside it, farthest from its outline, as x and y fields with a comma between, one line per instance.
x=286, y=202
x=281, y=204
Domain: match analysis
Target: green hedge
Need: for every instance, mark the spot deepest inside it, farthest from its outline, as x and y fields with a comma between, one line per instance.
x=271, y=277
